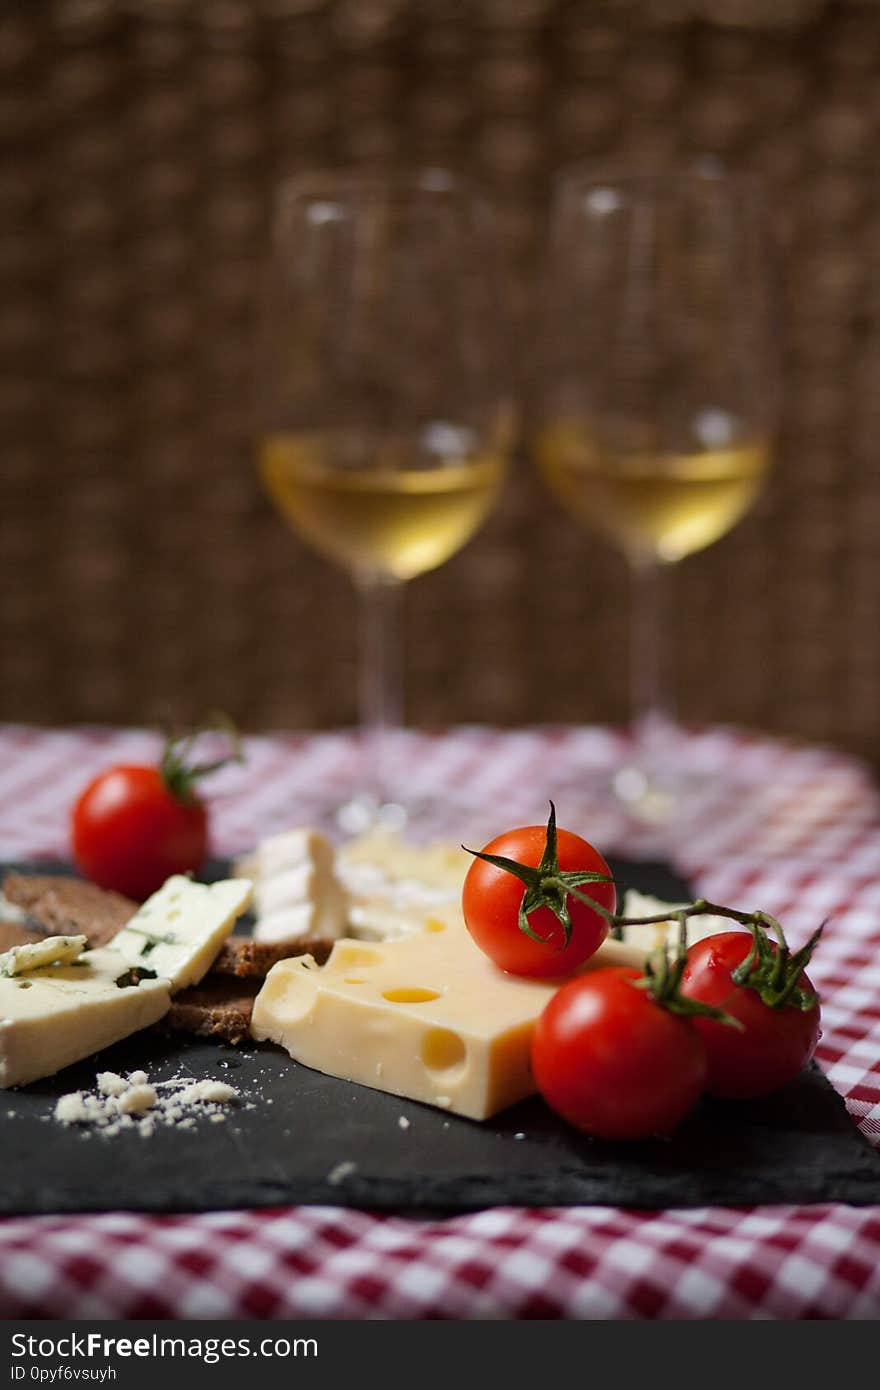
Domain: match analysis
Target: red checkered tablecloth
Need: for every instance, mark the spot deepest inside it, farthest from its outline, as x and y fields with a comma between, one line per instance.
x=793, y=830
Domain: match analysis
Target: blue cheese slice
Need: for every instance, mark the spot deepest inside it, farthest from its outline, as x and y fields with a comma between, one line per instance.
x=55, y=1015
x=52, y=950
x=179, y=930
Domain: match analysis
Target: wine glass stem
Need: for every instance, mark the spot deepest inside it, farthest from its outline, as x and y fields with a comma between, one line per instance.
x=650, y=639
x=380, y=677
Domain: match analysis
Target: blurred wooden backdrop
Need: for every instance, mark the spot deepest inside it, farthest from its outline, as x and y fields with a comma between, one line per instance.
x=142, y=573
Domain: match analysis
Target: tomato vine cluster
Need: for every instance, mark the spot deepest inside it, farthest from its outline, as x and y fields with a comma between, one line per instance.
x=623, y=1053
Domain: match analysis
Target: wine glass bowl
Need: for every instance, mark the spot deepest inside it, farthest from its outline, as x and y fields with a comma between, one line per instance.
x=383, y=401
x=657, y=394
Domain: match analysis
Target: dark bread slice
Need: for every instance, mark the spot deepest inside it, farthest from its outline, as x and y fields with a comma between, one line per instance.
x=249, y=960
x=17, y=934
x=219, y=1007
x=67, y=906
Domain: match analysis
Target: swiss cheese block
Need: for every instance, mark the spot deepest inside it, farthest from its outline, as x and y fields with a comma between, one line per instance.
x=428, y=1016
x=179, y=930
x=57, y=1015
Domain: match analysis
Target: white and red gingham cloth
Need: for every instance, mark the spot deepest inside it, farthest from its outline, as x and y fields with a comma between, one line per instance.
x=795, y=831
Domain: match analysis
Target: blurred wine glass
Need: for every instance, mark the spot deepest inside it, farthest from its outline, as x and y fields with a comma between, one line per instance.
x=384, y=407
x=658, y=396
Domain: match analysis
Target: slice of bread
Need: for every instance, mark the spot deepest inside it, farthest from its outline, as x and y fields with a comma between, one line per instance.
x=69, y=906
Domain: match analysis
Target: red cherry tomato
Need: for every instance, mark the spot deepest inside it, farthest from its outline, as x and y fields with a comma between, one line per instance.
x=492, y=896
x=130, y=832
x=772, y=1046
x=612, y=1061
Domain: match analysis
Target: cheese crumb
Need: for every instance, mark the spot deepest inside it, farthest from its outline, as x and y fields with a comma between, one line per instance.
x=341, y=1172
x=403, y=1122
x=132, y=1103
x=72, y=1109
x=211, y=1092
x=111, y=1084
x=137, y=1099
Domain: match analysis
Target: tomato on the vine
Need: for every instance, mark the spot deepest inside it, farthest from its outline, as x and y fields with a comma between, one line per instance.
x=523, y=900
x=613, y=1060
x=772, y=1000
x=134, y=825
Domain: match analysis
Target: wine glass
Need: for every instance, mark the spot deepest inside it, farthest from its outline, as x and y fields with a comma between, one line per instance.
x=384, y=409
x=658, y=397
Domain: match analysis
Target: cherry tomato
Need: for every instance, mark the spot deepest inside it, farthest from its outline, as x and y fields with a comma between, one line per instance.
x=612, y=1061
x=130, y=832
x=492, y=896
x=135, y=826
x=773, y=1044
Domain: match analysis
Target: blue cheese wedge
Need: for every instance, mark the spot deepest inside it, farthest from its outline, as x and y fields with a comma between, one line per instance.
x=179, y=930
x=57, y=1014
x=52, y=950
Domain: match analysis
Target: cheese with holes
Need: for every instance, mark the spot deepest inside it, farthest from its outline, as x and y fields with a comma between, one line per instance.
x=179, y=930
x=429, y=1017
x=297, y=895
x=58, y=1014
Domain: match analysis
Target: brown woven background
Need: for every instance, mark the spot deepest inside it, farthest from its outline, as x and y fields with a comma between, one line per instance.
x=141, y=572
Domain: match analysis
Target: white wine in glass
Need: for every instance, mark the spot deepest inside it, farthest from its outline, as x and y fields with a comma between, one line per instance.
x=385, y=410
x=386, y=519
x=657, y=398
x=654, y=505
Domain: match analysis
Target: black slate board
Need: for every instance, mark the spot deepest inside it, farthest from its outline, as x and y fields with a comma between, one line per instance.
x=798, y=1146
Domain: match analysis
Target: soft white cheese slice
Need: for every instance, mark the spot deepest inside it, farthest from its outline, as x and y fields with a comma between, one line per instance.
x=57, y=1015
x=640, y=941
x=179, y=930
x=297, y=895
x=52, y=950
x=394, y=887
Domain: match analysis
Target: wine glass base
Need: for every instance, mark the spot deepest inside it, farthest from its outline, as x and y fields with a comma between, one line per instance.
x=647, y=800
x=363, y=813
